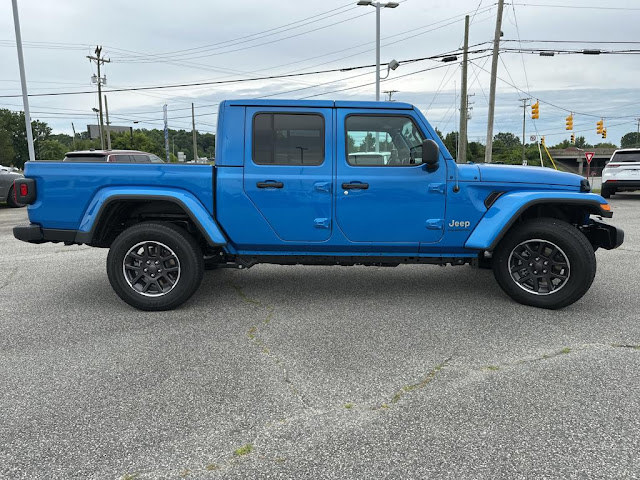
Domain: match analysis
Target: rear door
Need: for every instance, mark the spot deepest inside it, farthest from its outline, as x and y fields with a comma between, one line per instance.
x=288, y=170
x=383, y=192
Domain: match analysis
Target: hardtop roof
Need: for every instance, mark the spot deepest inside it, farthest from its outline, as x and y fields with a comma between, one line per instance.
x=257, y=102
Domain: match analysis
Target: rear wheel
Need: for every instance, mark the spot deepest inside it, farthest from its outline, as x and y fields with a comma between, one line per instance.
x=606, y=191
x=545, y=263
x=154, y=266
x=11, y=199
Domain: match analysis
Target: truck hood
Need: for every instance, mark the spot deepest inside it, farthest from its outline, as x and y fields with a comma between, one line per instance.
x=519, y=174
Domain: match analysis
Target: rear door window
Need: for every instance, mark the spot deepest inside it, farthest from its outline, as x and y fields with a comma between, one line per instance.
x=140, y=159
x=85, y=158
x=288, y=139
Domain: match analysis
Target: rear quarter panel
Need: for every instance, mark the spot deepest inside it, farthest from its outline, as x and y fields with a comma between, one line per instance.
x=65, y=190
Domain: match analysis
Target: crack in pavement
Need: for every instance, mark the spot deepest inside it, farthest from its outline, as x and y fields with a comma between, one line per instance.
x=9, y=278
x=558, y=353
x=253, y=336
x=231, y=460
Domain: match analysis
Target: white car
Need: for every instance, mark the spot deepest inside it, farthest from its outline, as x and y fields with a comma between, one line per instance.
x=622, y=173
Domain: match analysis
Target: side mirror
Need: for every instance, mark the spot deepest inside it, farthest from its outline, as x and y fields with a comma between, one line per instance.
x=430, y=154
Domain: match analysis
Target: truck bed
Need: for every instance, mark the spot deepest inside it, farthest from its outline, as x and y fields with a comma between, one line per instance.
x=65, y=190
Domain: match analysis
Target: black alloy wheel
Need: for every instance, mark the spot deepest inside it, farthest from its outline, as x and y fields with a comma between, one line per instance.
x=539, y=267
x=545, y=263
x=151, y=268
x=155, y=266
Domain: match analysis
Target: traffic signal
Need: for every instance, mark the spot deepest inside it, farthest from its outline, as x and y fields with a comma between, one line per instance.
x=600, y=126
x=573, y=138
x=604, y=133
x=568, y=122
x=535, y=110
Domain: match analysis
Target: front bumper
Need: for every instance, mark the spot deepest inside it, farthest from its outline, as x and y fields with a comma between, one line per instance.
x=602, y=235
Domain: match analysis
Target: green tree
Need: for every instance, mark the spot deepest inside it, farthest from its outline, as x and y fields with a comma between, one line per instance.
x=605, y=145
x=368, y=143
x=7, y=154
x=631, y=139
x=581, y=142
x=49, y=149
x=506, y=140
x=451, y=142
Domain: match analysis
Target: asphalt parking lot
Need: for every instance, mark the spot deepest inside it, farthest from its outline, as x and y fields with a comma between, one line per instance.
x=316, y=372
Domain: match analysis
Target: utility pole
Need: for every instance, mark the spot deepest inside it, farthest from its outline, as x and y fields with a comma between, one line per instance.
x=462, y=147
x=74, y=135
x=166, y=132
x=23, y=82
x=106, y=109
x=99, y=61
x=390, y=93
x=195, y=143
x=524, y=120
x=492, y=88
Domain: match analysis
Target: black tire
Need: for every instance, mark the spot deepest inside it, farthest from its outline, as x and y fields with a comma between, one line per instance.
x=11, y=200
x=142, y=252
x=558, y=282
x=606, y=192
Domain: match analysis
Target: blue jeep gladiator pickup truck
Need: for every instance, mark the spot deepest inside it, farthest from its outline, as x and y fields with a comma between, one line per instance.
x=321, y=183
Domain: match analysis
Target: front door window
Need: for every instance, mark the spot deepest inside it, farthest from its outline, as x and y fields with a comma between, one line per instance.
x=379, y=140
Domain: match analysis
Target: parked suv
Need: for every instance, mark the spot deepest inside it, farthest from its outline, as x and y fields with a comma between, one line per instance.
x=116, y=156
x=622, y=173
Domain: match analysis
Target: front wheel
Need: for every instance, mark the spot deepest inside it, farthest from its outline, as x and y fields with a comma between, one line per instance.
x=544, y=263
x=154, y=266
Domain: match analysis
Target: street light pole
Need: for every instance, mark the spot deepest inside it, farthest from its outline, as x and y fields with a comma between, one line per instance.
x=23, y=82
x=378, y=6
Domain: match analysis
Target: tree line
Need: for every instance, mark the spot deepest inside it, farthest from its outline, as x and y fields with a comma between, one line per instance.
x=507, y=147
x=53, y=146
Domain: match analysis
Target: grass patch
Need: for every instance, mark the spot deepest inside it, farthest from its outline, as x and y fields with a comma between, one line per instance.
x=348, y=405
x=244, y=450
x=129, y=476
x=409, y=388
x=211, y=467
x=493, y=368
x=252, y=333
x=565, y=350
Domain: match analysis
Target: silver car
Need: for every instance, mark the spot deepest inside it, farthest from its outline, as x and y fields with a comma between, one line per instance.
x=7, y=176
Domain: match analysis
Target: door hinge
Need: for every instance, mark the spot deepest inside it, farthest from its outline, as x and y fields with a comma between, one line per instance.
x=435, y=224
x=322, y=223
x=322, y=187
x=437, y=187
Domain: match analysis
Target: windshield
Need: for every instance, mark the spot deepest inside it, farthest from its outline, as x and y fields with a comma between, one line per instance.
x=626, y=157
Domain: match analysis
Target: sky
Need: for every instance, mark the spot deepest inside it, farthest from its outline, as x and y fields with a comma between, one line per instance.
x=163, y=42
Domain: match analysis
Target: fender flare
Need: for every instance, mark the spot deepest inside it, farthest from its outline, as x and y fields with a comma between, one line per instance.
x=508, y=207
x=203, y=220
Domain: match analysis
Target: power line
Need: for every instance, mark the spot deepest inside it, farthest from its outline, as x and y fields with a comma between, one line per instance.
x=555, y=105
x=584, y=7
x=253, y=46
x=247, y=38
x=573, y=41
x=394, y=78
x=238, y=80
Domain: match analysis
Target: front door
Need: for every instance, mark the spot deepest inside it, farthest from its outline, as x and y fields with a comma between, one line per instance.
x=288, y=170
x=383, y=192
